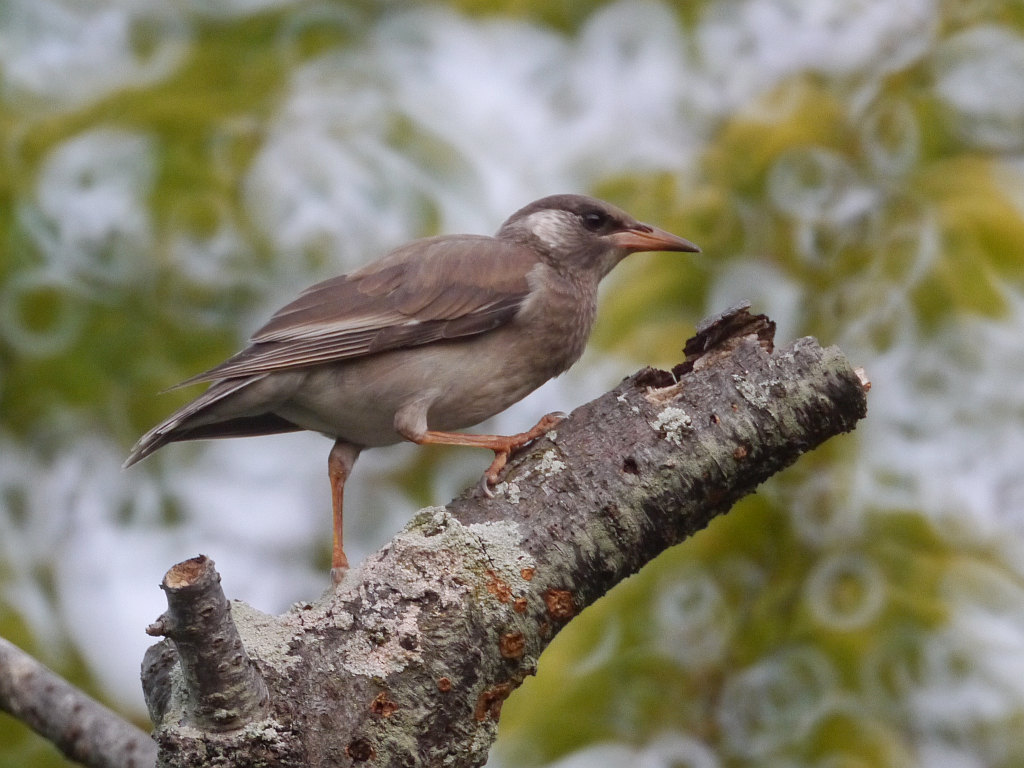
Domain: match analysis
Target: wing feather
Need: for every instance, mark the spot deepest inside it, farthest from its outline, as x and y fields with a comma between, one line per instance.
x=426, y=291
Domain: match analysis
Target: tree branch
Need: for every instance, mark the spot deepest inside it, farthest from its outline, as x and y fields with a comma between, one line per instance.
x=226, y=689
x=80, y=727
x=408, y=661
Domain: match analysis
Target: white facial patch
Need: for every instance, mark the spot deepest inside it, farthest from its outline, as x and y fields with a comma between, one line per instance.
x=552, y=228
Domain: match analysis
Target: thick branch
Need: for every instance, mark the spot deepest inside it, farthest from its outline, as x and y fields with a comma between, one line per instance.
x=408, y=660
x=80, y=727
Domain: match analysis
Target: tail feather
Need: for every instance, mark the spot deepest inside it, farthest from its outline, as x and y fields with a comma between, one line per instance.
x=194, y=421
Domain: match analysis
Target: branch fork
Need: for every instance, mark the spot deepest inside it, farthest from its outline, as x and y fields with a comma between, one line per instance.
x=408, y=660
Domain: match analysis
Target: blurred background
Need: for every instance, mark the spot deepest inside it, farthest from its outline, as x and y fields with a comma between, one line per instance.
x=175, y=171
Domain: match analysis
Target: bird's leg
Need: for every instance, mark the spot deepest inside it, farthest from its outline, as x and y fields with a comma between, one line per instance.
x=339, y=465
x=502, y=445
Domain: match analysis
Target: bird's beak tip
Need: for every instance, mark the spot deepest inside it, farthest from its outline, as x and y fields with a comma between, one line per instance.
x=690, y=247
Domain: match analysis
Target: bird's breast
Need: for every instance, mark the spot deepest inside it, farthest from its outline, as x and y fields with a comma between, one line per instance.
x=554, y=323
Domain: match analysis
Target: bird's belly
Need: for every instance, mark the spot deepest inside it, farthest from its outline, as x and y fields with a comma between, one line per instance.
x=459, y=383
x=337, y=401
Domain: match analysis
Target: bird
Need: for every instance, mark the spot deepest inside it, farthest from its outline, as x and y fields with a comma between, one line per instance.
x=436, y=336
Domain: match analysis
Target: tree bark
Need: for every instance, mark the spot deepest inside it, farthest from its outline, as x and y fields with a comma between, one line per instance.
x=225, y=688
x=408, y=660
x=78, y=725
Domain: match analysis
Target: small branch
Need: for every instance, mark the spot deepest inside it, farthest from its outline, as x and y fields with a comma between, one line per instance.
x=408, y=660
x=225, y=690
x=80, y=727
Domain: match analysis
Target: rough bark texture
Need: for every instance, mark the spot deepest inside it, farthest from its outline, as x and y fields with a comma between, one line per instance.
x=78, y=725
x=225, y=688
x=407, y=662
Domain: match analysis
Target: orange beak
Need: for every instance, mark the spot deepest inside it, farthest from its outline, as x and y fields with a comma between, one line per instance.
x=647, y=238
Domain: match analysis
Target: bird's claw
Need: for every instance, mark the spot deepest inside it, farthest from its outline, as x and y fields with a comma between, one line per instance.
x=542, y=427
x=485, y=486
x=490, y=477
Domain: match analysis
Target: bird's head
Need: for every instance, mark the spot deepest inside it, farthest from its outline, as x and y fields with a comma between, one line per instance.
x=584, y=233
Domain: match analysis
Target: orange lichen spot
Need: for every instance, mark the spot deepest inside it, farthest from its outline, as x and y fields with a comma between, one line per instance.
x=444, y=684
x=498, y=588
x=560, y=603
x=512, y=645
x=527, y=573
x=382, y=706
x=488, y=704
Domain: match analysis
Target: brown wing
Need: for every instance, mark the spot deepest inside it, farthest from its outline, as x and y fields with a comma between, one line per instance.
x=427, y=290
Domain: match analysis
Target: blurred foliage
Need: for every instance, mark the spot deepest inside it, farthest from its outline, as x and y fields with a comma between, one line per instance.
x=563, y=15
x=864, y=609
x=746, y=592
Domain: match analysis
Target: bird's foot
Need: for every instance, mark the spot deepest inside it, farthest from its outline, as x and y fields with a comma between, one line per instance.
x=512, y=444
x=339, y=566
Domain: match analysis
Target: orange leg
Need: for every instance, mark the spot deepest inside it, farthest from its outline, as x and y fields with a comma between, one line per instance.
x=339, y=465
x=502, y=445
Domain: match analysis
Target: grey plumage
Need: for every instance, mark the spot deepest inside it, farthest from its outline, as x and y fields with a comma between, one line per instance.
x=437, y=335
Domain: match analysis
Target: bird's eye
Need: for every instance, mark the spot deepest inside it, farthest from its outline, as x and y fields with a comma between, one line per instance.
x=594, y=220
